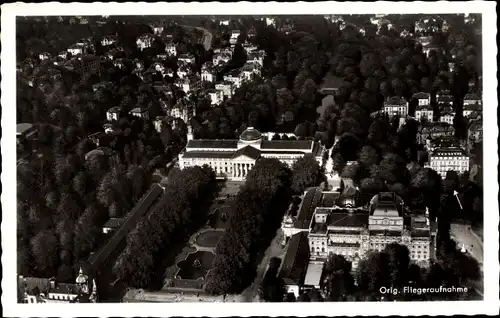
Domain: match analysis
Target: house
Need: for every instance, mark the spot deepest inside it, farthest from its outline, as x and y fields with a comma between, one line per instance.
x=425, y=40
x=157, y=28
x=144, y=41
x=447, y=159
x=63, y=55
x=234, y=36
x=451, y=67
x=169, y=72
x=396, y=106
x=112, y=224
x=431, y=48
x=224, y=22
x=108, y=40
x=187, y=58
x=294, y=265
x=140, y=112
x=422, y=99
x=114, y=113
x=444, y=97
x=248, y=47
x=472, y=99
x=120, y=63
x=227, y=88
x=221, y=58
x=44, y=56
x=424, y=112
x=216, y=96
x=252, y=33
x=447, y=115
x=249, y=70
x=434, y=130
x=163, y=56
x=184, y=110
x=188, y=84
x=171, y=49
x=331, y=84
x=475, y=132
x=256, y=57
x=208, y=74
x=271, y=22
x=139, y=65
x=158, y=67
x=233, y=77
x=184, y=71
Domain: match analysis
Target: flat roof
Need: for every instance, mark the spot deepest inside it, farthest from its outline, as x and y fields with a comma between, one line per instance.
x=209, y=154
x=287, y=144
x=24, y=128
x=213, y=143
x=313, y=274
x=347, y=219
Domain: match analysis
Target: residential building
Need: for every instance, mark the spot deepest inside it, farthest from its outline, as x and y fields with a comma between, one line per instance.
x=248, y=47
x=444, y=97
x=109, y=40
x=44, y=56
x=422, y=99
x=224, y=22
x=157, y=28
x=227, y=88
x=252, y=33
x=233, y=77
x=112, y=224
x=158, y=67
x=472, y=102
x=188, y=84
x=184, y=110
x=443, y=160
x=140, y=112
x=396, y=106
x=171, y=49
x=424, y=112
x=431, y=48
x=184, y=71
x=234, y=36
x=145, y=41
x=434, y=130
x=249, y=70
x=208, y=73
x=75, y=50
x=451, y=67
x=331, y=84
x=447, y=115
x=221, y=58
x=271, y=21
x=424, y=40
x=233, y=159
x=216, y=96
x=163, y=56
x=48, y=290
x=475, y=132
x=186, y=58
x=256, y=57
x=114, y=113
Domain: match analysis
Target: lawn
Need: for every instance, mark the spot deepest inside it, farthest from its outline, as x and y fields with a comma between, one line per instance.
x=220, y=217
x=209, y=238
x=189, y=268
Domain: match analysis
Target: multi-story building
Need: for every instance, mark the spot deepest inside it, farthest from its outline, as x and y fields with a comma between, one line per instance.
x=444, y=97
x=256, y=57
x=475, y=132
x=184, y=71
x=208, y=73
x=424, y=112
x=233, y=77
x=113, y=113
x=187, y=58
x=171, y=49
x=140, y=112
x=221, y=58
x=248, y=71
x=75, y=50
x=434, y=130
x=443, y=160
x=234, y=36
x=48, y=290
x=109, y=40
x=227, y=88
x=145, y=41
x=216, y=96
x=233, y=159
x=447, y=115
x=422, y=98
x=188, y=84
x=396, y=106
x=184, y=110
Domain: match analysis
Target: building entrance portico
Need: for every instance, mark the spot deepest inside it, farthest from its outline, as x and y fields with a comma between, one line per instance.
x=242, y=167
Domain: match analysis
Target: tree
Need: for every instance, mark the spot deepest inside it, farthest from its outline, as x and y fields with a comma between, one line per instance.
x=306, y=173
x=338, y=280
x=368, y=156
x=44, y=246
x=399, y=262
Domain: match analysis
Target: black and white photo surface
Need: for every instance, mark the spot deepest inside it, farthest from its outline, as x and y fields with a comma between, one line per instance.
x=222, y=153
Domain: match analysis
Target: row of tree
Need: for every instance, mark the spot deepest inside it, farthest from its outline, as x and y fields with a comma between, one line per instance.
x=260, y=206
x=181, y=210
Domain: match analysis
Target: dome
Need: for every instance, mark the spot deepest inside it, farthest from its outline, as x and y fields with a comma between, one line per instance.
x=81, y=279
x=250, y=134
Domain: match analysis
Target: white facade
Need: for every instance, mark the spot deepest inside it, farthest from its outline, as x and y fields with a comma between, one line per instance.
x=216, y=97
x=226, y=88
x=113, y=114
x=396, y=106
x=424, y=112
x=443, y=160
x=108, y=40
x=186, y=58
x=75, y=50
x=207, y=76
x=171, y=49
x=447, y=117
x=233, y=78
x=144, y=41
x=233, y=159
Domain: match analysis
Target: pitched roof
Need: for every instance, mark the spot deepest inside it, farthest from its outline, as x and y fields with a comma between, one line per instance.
x=213, y=144
x=308, y=205
x=287, y=144
x=396, y=100
x=294, y=265
x=209, y=154
x=248, y=151
x=114, y=223
x=344, y=218
x=421, y=95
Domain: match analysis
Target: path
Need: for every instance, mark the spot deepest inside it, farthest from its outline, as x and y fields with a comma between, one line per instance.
x=274, y=250
x=463, y=234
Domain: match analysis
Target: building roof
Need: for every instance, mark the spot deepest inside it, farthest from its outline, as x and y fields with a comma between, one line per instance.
x=313, y=274
x=476, y=125
x=448, y=152
x=423, y=107
x=287, y=144
x=250, y=134
x=28, y=284
x=309, y=204
x=345, y=218
x=385, y=233
x=209, y=154
x=213, y=144
x=472, y=96
x=24, y=128
x=114, y=223
x=294, y=265
x=421, y=95
x=331, y=82
x=396, y=100
x=248, y=151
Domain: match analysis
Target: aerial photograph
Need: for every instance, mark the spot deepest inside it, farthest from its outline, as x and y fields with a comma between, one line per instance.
x=249, y=158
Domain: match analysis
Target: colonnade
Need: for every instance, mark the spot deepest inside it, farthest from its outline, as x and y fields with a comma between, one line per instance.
x=240, y=170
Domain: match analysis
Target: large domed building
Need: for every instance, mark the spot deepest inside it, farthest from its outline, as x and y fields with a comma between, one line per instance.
x=234, y=158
